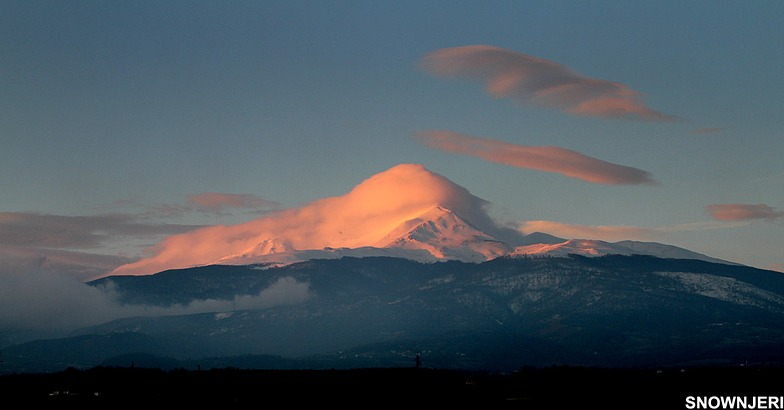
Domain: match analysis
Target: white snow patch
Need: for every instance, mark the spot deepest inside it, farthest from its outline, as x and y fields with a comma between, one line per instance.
x=223, y=315
x=726, y=289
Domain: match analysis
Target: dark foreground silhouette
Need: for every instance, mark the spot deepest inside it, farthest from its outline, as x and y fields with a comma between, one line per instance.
x=554, y=387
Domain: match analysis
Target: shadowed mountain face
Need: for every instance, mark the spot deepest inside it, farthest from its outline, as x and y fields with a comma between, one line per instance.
x=504, y=314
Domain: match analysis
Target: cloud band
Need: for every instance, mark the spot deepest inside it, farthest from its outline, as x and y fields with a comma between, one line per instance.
x=743, y=212
x=548, y=159
x=528, y=79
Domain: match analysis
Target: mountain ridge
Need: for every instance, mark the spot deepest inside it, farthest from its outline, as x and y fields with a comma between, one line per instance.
x=499, y=315
x=439, y=234
x=405, y=211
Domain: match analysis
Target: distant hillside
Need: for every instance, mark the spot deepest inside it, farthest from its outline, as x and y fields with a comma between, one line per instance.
x=504, y=314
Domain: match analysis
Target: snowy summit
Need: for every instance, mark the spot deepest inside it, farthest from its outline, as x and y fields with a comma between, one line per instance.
x=406, y=211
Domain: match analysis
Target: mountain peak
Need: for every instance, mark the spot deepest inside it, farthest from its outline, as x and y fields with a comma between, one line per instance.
x=406, y=211
x=594, y=247
x=360, y=218
x=446, y=236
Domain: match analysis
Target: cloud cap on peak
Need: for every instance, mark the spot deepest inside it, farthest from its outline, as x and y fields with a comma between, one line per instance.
x=361, y=217
x=529, y=79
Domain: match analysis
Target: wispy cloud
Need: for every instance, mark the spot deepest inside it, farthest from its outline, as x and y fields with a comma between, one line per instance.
x=528, y=79
x=43, y=267
x=209, y=203
x=576, y=231
x=78, y=265
x=744, y=212
x=218, y=201
x=75, y=232
x=616, y=232
x=81, y=247
x=547, y=158
x=32, y=303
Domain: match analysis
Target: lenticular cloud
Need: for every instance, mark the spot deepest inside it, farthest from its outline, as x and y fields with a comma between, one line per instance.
x=362, y=217
x=548, y=159
x=742, y=212
x=508, y=74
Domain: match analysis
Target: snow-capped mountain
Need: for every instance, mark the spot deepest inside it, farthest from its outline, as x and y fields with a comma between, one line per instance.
x=439, y=234
x=406, y=211
x=410, y=262
x=593, y=247
x=445, y=235
x=436, y=234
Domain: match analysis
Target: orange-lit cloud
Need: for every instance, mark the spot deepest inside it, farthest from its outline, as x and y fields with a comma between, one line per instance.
x=608, y=233
x=508, y=74
x=612, y=233
x=362, y=217
x=549, y=159
x=742, y=212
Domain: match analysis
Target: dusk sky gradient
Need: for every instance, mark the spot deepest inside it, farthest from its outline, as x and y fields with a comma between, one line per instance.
x=122, y=123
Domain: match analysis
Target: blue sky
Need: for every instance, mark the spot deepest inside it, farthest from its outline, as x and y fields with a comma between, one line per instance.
x=123, y=122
